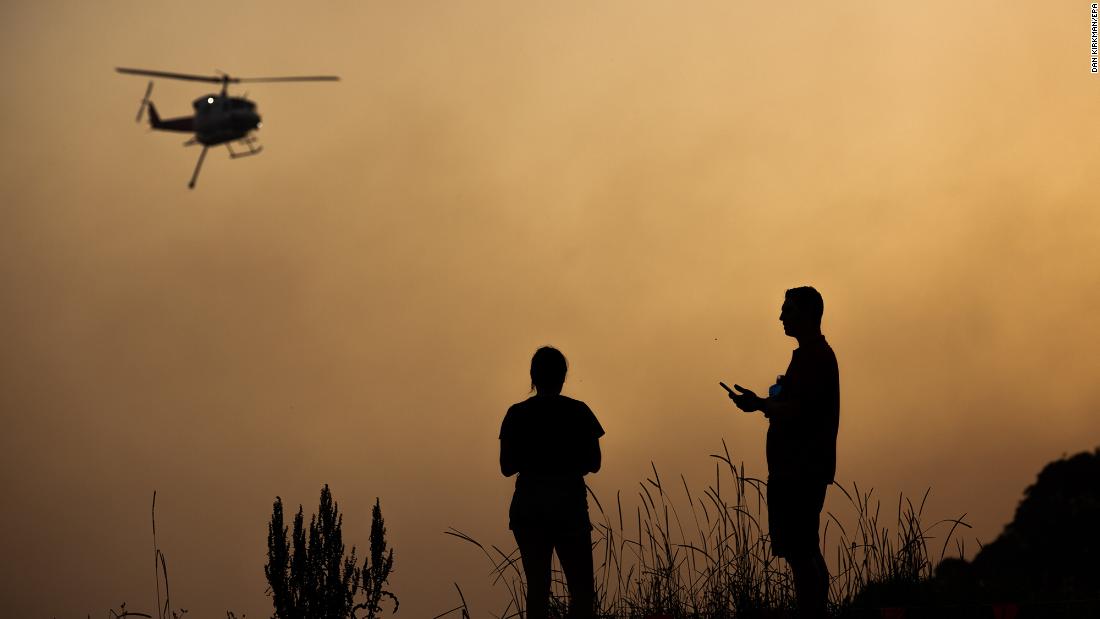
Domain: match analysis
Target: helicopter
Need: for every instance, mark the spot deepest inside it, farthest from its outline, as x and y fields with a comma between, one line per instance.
x=219, y=118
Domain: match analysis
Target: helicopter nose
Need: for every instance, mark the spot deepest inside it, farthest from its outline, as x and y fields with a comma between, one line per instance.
x=246, y=121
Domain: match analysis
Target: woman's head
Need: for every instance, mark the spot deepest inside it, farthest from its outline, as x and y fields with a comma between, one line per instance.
x=548, y=368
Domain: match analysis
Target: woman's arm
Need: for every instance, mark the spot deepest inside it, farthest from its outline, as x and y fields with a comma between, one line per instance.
x=594, y=458
x=509, y=464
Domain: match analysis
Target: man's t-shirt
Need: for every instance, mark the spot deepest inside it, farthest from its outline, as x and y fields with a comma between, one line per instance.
x=802, y=445
x=552, y=438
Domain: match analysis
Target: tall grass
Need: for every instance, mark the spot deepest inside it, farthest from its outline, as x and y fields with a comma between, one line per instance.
x=873, y=555
x=711, y=557
x=160, y=574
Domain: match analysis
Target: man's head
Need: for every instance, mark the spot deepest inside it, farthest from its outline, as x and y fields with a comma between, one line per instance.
x=802, y=310
x=548, y=368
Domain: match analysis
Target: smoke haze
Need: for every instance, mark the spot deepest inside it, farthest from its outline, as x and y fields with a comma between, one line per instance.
x=634, y=183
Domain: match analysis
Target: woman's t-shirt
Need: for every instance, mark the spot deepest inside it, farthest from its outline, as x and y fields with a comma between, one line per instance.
x=552, y=439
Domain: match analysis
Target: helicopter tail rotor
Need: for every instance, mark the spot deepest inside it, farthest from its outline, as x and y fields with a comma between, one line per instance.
x=144, y=101
x=154, y=118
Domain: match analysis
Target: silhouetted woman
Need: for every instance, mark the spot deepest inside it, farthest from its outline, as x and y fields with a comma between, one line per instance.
x=552, y=442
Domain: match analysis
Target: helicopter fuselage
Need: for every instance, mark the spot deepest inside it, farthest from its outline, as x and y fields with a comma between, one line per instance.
x=221, y=119
x=218, y=119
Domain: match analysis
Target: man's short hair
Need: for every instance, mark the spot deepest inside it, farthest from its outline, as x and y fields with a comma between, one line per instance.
x=808, y=300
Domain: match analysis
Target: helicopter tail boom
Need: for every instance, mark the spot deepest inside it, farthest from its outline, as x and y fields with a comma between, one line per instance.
x=184, y=124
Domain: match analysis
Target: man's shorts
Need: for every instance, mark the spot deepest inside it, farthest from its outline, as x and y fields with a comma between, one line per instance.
x=794, y=516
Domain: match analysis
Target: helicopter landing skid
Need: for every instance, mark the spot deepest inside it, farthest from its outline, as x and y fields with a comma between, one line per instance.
x=249, y=143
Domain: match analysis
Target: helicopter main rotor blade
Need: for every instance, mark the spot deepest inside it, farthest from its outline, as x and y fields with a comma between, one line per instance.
x=225, y=79
x=302, y=78
x=176, y=76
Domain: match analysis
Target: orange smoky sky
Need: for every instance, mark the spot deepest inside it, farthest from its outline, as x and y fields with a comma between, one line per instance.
x=636, y=183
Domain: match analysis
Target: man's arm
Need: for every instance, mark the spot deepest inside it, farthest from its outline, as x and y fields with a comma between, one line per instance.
x=818, y=383
x=745, y=399
x=772, y=407
x=779, y=408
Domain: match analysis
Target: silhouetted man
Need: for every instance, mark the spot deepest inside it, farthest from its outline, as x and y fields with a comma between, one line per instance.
x=803, y=411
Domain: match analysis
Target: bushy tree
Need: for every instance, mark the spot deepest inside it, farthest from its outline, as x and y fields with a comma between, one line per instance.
x=309, y=576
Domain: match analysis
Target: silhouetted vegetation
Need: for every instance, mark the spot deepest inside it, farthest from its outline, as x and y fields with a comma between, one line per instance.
x=1046, y=558
x=160, y=575
x=714, y=560
x=311, y=578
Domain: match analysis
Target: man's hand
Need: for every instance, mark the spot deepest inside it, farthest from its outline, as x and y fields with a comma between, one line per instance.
x=746, y=400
